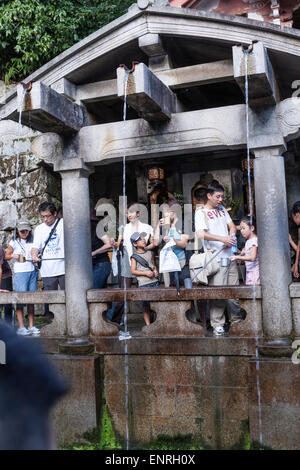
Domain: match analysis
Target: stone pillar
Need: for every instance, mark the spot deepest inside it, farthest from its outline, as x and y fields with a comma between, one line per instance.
x=77, y=233
x=272, y=227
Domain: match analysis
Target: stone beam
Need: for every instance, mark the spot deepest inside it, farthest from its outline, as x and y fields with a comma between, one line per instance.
x=196, y=75
x=151, y=44
x=151, y=99
x=46, y=110
x=263, y=89
x=66, y=88
x=183, y=77
x=188, y=132
x=97, y=91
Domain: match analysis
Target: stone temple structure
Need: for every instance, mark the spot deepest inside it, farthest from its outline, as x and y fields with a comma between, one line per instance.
x=187, y=115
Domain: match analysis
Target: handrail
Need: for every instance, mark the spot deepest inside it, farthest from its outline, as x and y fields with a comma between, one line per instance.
x=36, y=297
x=157, y=294
x=170, y=294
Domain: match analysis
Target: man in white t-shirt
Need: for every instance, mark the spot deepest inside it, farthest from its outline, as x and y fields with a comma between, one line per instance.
x=215, y=226
x=53, y=264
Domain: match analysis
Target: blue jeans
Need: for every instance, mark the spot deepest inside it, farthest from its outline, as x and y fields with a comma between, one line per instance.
x=101, y=271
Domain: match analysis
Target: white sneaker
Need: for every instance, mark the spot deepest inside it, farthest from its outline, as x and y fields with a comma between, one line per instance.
x=23, y=332
x=34, y=331
x=219, y=331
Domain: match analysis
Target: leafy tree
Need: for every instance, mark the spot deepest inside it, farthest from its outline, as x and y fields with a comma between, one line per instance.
x=32, y=32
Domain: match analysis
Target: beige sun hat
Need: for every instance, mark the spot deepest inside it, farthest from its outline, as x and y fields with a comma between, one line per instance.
x=24, y=225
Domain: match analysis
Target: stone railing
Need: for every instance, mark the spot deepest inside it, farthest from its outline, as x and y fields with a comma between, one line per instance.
x=295, y=299
x=170, y=309
x=56, y=300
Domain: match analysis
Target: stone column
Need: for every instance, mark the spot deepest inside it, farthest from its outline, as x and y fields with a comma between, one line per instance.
x=272, y=227
x=77, y=233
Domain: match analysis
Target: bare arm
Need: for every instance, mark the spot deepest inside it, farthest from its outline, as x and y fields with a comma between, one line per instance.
x=9, y=254
x=232, y=228
x=157, y=236
x=151, y=244
x=135, y=272
x=106, y=247
x=228, y=241
x=295, y=265
x=252, y=256
x=182, y=242
x=292, y=243
x=35, y=255
x=154, y=265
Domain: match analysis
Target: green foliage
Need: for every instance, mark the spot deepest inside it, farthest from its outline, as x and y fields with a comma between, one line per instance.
x=108, y=439
x=178, y=442
x=32, y=32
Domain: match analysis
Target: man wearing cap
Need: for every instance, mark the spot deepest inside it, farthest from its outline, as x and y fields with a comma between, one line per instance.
x=25, y=273
x=52, y=247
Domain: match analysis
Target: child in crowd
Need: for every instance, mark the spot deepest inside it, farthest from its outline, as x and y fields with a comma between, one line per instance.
x=171, y=209
x=134, y=225
x=143, y=267
x=25, y=273
x=249, y=253
x=294, y=237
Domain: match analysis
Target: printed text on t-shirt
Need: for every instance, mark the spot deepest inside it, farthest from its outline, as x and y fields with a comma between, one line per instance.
x=215, y=213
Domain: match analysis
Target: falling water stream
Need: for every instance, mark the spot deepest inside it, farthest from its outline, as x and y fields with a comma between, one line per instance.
x=125, y=335
x=246, y=56
x=18, y=159
x=17, y=182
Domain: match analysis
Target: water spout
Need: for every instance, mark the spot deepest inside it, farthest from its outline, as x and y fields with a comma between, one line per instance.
x=127, y=70
x=27, y=86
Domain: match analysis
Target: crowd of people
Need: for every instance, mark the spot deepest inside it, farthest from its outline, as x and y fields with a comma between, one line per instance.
x=42, y=253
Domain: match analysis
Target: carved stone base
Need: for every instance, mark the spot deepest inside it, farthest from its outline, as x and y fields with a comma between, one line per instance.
x=58, y=326
x=99, y=326
x=171, y=320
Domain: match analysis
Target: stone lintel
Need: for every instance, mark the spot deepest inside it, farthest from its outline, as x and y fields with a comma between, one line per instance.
x=72, y=165
x=187, y=132
x=45, y=109
x=262, y=85
x=151, y=99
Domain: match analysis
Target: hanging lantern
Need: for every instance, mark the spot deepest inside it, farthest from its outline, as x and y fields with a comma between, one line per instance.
x=156, y=174
x=245, y=164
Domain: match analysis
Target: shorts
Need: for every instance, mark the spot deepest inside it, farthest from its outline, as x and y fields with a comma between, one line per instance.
x=146, y=303
x=25, y=282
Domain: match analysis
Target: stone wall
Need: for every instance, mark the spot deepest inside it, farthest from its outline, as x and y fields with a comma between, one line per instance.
x=36, y=182
x=206, y=396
